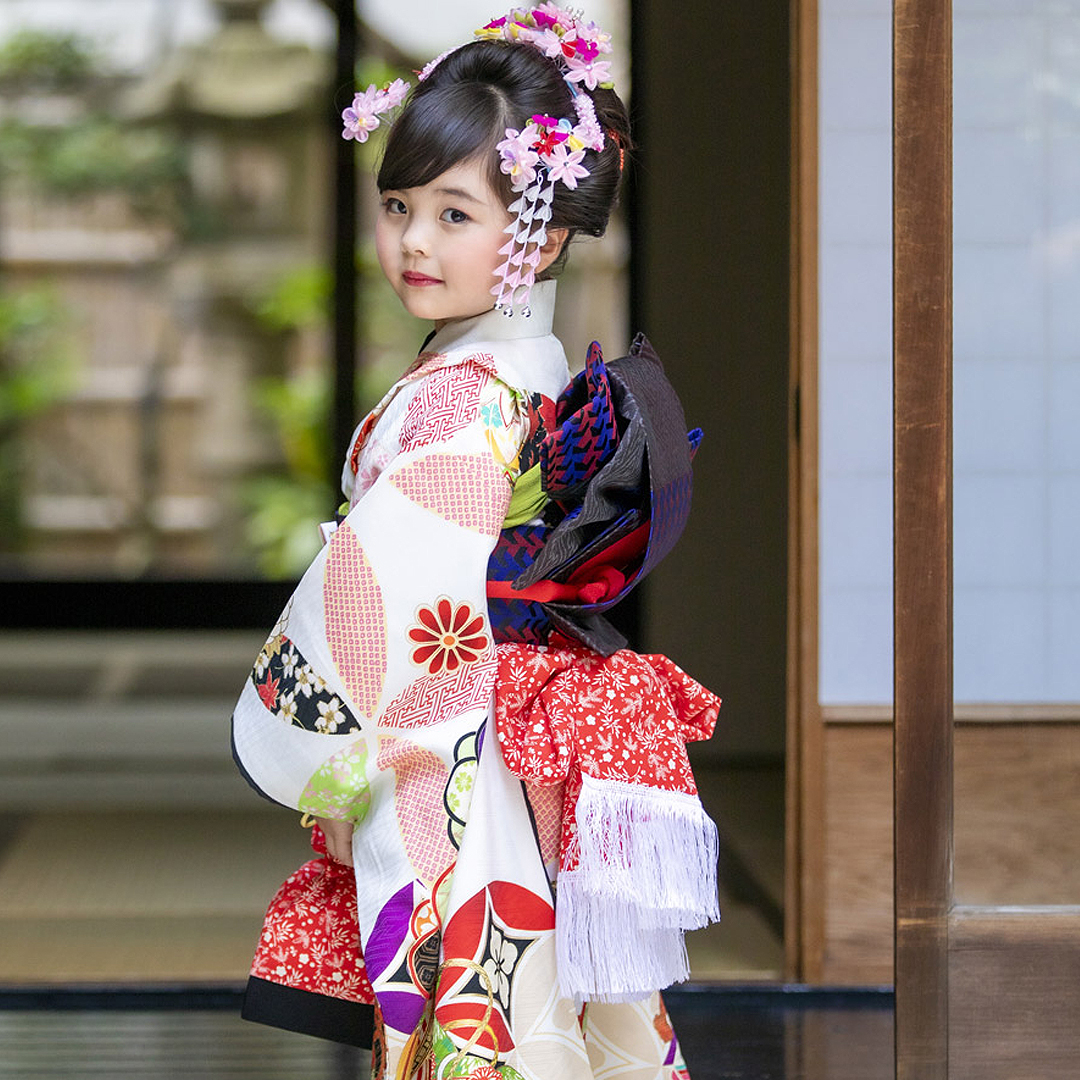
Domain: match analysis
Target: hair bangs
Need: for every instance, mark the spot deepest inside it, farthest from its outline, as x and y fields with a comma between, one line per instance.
x=437, y=132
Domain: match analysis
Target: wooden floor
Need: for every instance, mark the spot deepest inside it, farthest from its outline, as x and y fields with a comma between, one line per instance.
x=162, y=896
x=725, y=1036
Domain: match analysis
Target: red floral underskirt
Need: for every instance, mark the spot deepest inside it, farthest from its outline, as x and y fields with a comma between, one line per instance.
x=310, y=938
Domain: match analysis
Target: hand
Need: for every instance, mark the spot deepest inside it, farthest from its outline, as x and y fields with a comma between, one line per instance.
x=338, y=839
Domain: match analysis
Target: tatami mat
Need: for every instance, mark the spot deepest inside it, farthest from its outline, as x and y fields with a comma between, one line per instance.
x=162, y=897
x=154, y=896
x=132, y=851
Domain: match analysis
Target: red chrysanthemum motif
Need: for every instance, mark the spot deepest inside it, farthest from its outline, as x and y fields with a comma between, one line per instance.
x=486, y=1072
x=447, y=636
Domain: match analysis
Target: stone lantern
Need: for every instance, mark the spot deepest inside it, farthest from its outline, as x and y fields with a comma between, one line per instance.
x=251, y=107
x=251, y=112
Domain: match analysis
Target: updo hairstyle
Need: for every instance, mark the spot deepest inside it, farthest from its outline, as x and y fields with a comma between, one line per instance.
x=465, y=106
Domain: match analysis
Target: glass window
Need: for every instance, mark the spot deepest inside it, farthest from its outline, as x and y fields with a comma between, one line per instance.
x=855, y=351
x=163, y=202
x=1016, y=352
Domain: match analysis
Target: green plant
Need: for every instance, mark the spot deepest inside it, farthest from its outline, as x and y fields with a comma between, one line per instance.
x=285, y=507
x=40, y=60
x=99, y=153
x=35, y=372
x=298, y=299
x=95, y=154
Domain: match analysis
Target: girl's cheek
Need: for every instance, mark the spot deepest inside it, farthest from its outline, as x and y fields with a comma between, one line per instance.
x=384, y=245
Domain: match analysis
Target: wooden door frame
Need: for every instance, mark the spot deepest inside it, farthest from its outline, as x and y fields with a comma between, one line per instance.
x=922, y=532
x=804, y=842
x=923, y=711
x=971, y=980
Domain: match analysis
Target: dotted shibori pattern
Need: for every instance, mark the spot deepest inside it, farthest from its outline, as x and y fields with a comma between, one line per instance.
x=446, y=402
x=419, y=783
x=625, y=717
x=438, y=697
x=469, y=490
x=561, y=714
x=355, y=619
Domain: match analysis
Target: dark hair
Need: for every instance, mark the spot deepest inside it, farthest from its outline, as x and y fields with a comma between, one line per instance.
x=464, y=108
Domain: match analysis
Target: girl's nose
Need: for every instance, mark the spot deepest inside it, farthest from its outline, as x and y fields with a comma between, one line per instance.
x=414, y=239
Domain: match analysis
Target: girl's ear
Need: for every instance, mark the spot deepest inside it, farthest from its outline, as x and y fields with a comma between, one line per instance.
x=549, y=250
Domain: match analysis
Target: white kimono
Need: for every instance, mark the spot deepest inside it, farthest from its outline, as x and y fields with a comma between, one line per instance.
x=372, y=702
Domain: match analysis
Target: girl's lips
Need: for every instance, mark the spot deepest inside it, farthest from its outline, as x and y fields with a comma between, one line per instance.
x=410, y=277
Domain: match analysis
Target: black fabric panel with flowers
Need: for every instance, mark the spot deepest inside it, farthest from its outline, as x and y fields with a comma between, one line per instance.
x=289, y=686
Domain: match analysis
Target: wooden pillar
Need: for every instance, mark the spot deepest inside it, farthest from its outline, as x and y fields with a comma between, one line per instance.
x=804, y=827
x=343, y=242
x=922, y=503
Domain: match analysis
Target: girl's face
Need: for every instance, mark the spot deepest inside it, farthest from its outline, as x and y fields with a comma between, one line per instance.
x=438, y=244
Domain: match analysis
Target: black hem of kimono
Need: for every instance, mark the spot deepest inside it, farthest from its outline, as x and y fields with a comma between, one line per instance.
x=308, y=1013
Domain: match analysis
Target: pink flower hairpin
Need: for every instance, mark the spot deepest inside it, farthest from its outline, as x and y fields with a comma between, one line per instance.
x=547, y=151
x=362, y=117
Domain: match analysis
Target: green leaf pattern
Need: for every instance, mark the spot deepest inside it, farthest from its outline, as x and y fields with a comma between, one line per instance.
x=339, y=788
x=450, y=1063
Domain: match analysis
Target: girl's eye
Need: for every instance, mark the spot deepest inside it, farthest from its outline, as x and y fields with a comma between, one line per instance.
x=455, y=217
x=394, y=206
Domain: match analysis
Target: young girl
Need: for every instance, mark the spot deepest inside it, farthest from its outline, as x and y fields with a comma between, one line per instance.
x=507, y=783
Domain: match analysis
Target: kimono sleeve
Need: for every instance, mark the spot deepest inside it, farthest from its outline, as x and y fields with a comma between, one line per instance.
x=388, y=628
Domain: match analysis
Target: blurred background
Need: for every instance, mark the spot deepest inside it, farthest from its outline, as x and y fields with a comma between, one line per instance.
x=168, y=197
x=188, y=331
x=171, y=423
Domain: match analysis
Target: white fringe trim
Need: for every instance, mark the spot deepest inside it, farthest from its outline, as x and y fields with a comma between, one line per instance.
x=604, y=954
x=646, y=874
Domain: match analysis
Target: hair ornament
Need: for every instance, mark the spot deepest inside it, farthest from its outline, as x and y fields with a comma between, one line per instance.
x=614, y=136
x=546, y=151
x=362, y=117
x=431, y=65
x=560, y=34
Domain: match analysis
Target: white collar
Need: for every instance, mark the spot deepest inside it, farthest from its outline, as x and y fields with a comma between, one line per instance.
x=495, y=326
